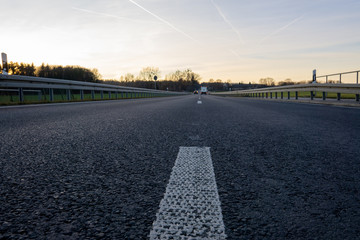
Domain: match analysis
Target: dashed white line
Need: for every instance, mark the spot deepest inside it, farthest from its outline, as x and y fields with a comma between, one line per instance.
x=191, y=208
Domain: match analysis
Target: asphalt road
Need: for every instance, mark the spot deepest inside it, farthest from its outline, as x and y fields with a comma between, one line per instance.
x=100, y=169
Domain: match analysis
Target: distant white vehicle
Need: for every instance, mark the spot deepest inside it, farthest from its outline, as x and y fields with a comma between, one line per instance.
x=204, y=90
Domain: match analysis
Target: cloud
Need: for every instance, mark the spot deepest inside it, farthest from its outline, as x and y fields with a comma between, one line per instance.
x=164, y=21
x=227, y=21
x=282, y=28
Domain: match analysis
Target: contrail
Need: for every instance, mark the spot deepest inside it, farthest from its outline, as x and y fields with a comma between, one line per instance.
x=227, y=21
x=163, y=20
x=282, y=28
x=234, y=53
x=104, y=14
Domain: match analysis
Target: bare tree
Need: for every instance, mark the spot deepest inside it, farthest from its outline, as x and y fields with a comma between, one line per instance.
x=96, y=73
x=267, y=81
x=148, y=73
x=176, y=76
x=129, y=77
x=287, y=81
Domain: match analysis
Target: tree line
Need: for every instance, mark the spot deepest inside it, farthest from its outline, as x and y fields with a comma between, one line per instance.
x=180, y=80
x=269, y=82
x=185, y=80
x=76, y=73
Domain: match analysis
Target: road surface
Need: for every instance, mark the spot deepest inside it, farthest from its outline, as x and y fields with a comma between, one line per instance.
x=101, y=169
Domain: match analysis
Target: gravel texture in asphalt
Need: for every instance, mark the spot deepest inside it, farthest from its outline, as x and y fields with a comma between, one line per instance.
x=100, y=169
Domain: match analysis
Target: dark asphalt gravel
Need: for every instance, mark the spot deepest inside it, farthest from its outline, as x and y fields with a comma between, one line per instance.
x=99, y=169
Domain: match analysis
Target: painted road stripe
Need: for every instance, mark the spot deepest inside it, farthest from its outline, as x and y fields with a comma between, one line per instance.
x=191, y=207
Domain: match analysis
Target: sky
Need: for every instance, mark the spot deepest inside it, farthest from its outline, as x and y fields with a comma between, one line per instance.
x=237, y=40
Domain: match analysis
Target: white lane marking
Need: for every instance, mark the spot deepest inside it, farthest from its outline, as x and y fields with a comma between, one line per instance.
x=191, y=208
x=199, y=102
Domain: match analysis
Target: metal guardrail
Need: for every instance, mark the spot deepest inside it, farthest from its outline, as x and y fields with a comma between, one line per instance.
x=312, y=88
x=22, y=84
x=338, y=88
x=340, y=75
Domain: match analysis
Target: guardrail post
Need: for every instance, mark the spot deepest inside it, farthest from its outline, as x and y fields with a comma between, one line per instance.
x=267, y=95
x=68, y=94
x=311, y=95
x=288, y=95
x=338, y=96
x=116, y=95
x=340, y=77
x=102, y=94
x=276, y=95
x=324, y=96
x=271, y=95
x=109, y=94
x=326, y=79
x=92, y=94
x=296, y=95
x=282, y=95
x=21, y=95
x=51, y=94
x=357, y=97
x=357, y=77
x=39, y=96
x=82, y=94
